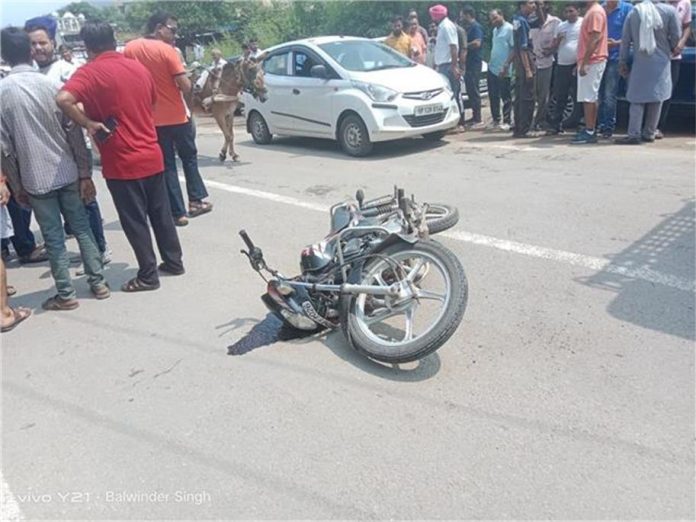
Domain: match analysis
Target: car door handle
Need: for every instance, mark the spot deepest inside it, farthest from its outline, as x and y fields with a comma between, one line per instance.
x=296, y=91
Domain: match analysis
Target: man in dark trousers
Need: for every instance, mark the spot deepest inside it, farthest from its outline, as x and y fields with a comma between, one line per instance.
x=118, y=95
x=523, y=61
x=474, y=63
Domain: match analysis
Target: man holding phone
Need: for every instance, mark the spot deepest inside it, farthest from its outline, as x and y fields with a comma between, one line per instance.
x=57, y=181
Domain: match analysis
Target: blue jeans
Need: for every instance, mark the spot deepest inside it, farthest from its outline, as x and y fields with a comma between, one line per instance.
x=608, y=92
x=180, y=138
x=23, y=240
x=95, y=223
x=48, y=209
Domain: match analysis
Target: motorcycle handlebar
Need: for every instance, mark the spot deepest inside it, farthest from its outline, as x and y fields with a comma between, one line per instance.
x=245, y=237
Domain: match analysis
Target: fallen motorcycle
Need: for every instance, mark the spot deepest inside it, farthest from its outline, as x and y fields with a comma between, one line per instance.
x=396, y=294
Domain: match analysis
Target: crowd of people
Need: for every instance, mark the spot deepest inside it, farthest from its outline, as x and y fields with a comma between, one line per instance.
x=538, y=57
x=130, y=106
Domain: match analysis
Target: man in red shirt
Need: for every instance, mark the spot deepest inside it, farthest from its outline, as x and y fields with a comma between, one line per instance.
x=174, y=127
x=121, y=93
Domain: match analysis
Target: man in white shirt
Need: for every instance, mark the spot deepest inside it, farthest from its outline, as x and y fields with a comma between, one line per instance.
x=215, y=70
x=446, y=53
x=565, y=83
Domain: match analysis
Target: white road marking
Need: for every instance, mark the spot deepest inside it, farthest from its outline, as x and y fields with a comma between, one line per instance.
x=8, y=504
x=560, y=256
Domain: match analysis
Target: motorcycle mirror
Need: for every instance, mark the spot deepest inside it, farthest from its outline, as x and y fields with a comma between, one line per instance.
x=360, y=197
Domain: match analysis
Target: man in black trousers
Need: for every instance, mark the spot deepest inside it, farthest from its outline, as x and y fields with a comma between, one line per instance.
x=118, y=95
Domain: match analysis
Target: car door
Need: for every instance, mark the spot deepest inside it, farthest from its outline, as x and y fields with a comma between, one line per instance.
x=279, y=82
x=312, y=98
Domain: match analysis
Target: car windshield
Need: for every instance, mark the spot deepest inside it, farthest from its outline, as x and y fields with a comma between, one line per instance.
x=365, y=55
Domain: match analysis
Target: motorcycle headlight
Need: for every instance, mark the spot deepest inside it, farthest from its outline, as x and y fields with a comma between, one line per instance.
x=377, y=93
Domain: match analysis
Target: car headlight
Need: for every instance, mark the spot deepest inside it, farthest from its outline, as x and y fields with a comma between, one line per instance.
x=377, y=93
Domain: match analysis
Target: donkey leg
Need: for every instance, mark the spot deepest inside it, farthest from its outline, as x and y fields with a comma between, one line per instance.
x=230, y=128
x=219, y=115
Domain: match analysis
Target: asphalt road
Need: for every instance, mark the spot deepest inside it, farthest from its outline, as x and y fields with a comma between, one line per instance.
x=567, y=392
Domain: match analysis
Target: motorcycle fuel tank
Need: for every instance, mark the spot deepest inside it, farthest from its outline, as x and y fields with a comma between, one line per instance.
x=317, y=256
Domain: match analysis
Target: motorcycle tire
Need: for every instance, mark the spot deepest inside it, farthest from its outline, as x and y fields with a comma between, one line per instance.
x=443, y=217
x=436, y=335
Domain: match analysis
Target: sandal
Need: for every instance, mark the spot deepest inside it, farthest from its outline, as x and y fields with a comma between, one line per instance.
x=164, y=267
x=199, y=208
x=18, y=315
x=101, y=291
x=181, y=222
x=58, y=304
x=136, y=285
x=11, y=290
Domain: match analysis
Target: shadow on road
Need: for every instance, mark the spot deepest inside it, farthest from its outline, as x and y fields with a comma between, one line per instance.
x=271, y=330
x=667, y=249
x=330, y=149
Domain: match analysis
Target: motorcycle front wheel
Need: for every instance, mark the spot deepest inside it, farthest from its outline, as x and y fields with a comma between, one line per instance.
x=404, y=329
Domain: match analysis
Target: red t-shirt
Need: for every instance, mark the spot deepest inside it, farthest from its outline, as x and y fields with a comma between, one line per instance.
x=114, y=86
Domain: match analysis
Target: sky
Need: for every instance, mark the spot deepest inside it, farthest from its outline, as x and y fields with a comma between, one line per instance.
x=15, y=12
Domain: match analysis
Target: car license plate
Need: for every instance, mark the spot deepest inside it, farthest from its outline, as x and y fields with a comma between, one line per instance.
x=427, y=110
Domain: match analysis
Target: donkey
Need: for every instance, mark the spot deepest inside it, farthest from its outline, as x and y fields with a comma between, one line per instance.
x=221, y=95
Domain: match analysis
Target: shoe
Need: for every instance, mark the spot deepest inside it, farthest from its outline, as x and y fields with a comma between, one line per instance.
x=493, y=125
x=106, y=256
x=505, y=127
x=56, y=304
x=647, y=139
x=6, y=254
x=553, y=132
x=477, y=125
x=181, y=222
x=627, y=140
x=38, y=255
x=659, y=135
x=164, y=267
x=607, y=135
x=101, y=291
x=584, y=138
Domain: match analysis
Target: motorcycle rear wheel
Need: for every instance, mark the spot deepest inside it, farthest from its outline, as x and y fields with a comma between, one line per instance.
x=369, y=322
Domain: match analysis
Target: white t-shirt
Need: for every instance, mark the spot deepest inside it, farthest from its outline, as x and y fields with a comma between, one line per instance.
x=59, y=71
x=446, y=36
x=568, y=49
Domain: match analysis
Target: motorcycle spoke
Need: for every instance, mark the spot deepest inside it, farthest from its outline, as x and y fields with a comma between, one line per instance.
x=410, y=319
x=427, y=294
x=380, y=315
x=414, y=271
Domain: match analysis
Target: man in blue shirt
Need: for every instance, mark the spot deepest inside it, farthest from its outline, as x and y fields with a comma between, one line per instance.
x=524, y=69
x=498, y=71
x=617, y=12
x=472, y=75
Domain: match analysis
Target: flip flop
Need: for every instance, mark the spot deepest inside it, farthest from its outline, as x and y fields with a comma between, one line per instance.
x=101, y=291
x=19, y=315
x=199, y=208
x=136, y=285
x=181, y=222
x=11, y=290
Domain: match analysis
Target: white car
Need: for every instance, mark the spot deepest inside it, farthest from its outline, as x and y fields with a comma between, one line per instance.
x=353, y=90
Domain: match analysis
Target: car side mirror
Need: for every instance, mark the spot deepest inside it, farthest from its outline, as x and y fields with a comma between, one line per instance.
x=319, y=71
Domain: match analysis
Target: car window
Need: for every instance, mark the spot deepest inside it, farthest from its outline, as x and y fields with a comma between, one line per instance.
x=365, y=55
x=277, y=64
x=303, y=63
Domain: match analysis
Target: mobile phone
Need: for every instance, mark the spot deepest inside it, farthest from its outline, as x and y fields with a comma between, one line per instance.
x=101, y=136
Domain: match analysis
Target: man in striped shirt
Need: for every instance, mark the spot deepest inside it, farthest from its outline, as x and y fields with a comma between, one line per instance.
x=53, y=174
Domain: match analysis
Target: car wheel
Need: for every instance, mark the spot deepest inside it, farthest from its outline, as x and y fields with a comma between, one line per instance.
x=353, y=136
x=259, y=129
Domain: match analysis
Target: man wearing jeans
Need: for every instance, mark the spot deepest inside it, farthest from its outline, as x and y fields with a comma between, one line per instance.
x=112, y=87
x=472, y=74
x=617, y=12
x=172, y=118
x=56, y=180
x=498, y=75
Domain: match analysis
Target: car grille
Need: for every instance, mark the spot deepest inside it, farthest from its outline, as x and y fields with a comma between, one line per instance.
x=423, y=95
x=424, y=121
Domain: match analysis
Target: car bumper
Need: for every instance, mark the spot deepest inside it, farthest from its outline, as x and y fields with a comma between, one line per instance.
x=391, y=122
